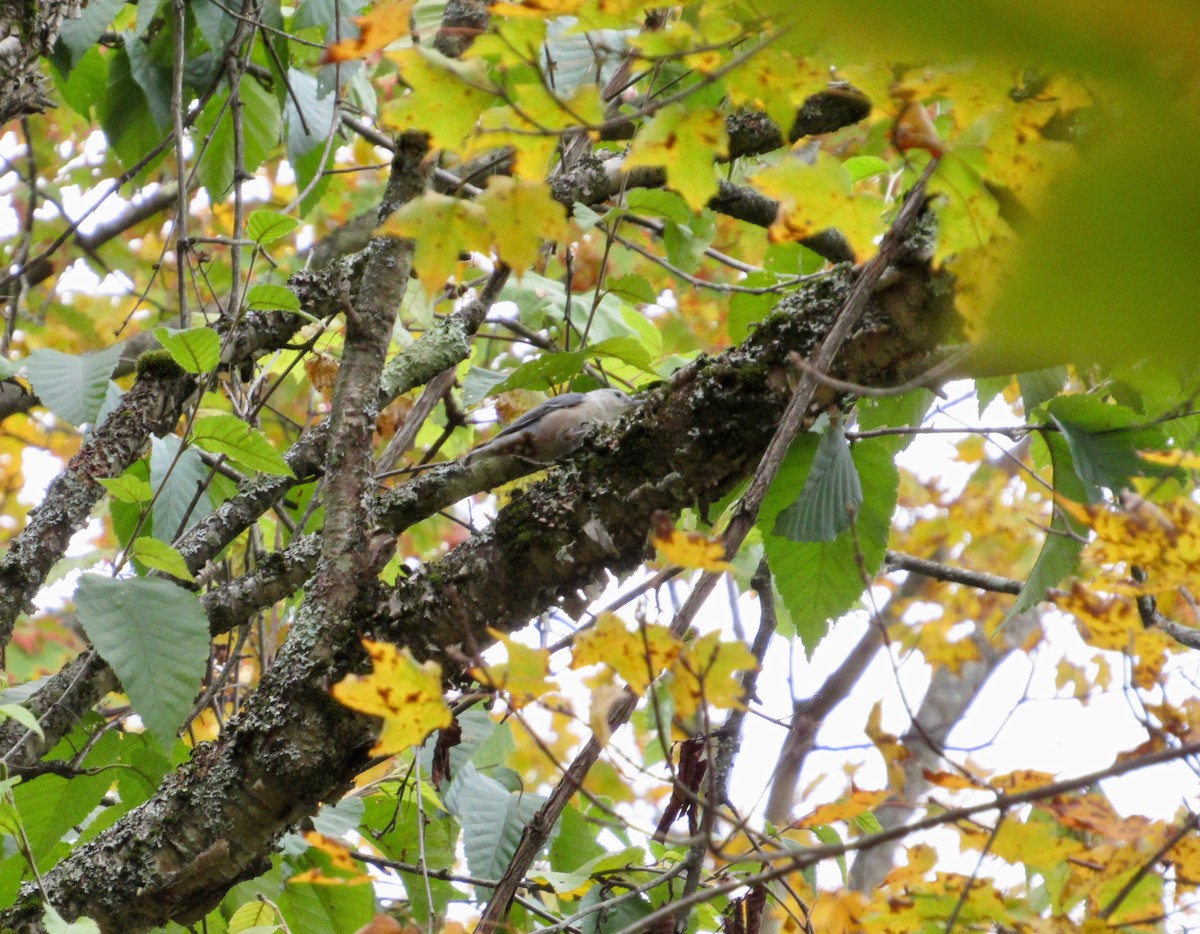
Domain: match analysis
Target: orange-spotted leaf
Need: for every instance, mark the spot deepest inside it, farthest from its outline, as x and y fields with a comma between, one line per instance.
x=688, y=549
x=1021, y=780
x=378, y=29
x=1176, y=458
x=706, y=671
x=520, y=217
x=442, y=228
x=406, y=695
x=524, y=677
x=540, y=9
x=445, y=97
x=819, y=196
x=685, y=142
x=637, y=656
x=921, y=859
x=853, y=805
x=950, y=780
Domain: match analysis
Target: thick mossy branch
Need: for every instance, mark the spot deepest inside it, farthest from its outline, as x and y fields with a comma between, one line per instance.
x=214, y=821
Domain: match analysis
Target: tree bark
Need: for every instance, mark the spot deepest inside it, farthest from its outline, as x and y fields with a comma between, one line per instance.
x=216, y=820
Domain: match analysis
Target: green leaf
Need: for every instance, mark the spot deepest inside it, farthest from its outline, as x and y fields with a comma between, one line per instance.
x=79, y=35
x=830, y=836
x=263, y=226
x=125, y=115
x=159, y=556
x=309, y=907
x=1060, y=552
x=261, y=121
x=658, y=202
x=22, y=715
x=861, y=167
x=72, y=387
x=903, y=411
x=155, y=636
x=176, y=473
x=152, y=76
x=633, y=288
x=493, y=819
x=56, y=924
x=1091, y=290
x=197, y=350
x=127, y=488
x=1103, y=453
x=51, y=805
x=246, y=446
x=1040, y=386
x=832, y=494
x=551, y=369
x=84, y=85
x=307, y=115
x=270, y=297
x=819, y=581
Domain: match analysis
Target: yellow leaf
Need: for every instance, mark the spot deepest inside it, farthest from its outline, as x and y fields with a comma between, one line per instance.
x=1176, y=458
x=685, y=142
x=442, y=228
x=445, y=96
x=688, y=549
x=524, y=677
x=520, y=216
x=706, y=672
x=386, y=23
x=638, y=657
x=537, y=8
x=921, y=858
x=1021, y=780
x=853, y=805
x=818, y=196
x=406, y=695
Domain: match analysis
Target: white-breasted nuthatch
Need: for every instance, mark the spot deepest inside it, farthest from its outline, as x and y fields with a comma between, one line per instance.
x=556, y=427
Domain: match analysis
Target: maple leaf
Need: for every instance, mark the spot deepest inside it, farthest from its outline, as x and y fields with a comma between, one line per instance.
x=377, y=30
x=442, y=227
x=687, y=549
x=685, y=142
x=638, y=657
x=445, y=96
x=524, y=677
x=406, y=695
x=858, y=802
x=819, y=196
x=520, y=216
x=706, y=671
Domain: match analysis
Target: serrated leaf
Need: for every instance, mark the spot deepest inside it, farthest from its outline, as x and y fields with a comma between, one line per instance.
x=247, y=446
x=154, y=634
x=197, y=350
x=493, y=819
x=159, y=556
x=270, y=297
x=263, y=226
x=127, y=488
x=72, y=387
x=831, y=496
x=176, y=475
x=1104, y=446
x=1064, y=542
x=633, y=288
x=819, y=581
x=253, y=916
